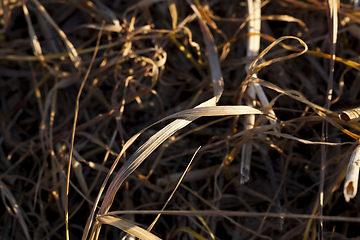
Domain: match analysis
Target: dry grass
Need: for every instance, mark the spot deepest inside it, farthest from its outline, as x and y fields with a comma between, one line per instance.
x=85, y=87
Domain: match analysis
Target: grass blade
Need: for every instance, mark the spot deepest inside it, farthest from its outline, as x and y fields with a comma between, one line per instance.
x=128, y=227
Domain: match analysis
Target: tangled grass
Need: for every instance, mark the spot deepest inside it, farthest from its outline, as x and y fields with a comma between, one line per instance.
x=92, y=89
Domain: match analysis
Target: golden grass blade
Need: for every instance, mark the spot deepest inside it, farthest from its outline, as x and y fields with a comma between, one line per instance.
x=173, y=13
x=267, y=49
x=335, y=121
x=192, y=42
x=352, y=175
x=14, y=209
x=106, y=28
x=216, y=75
x=73, y=137
x=285, y=18
x=347, y=62
x=128, y=227
x=74, y=56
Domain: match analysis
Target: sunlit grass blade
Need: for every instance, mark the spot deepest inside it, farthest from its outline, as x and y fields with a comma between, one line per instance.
x=147, y=148
x=128, y=227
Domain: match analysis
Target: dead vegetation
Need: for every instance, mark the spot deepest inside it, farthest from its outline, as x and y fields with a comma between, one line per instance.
x=94, y=80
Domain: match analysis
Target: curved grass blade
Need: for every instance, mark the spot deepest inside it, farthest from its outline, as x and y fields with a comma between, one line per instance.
x=147, y=148
x=128, y=227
